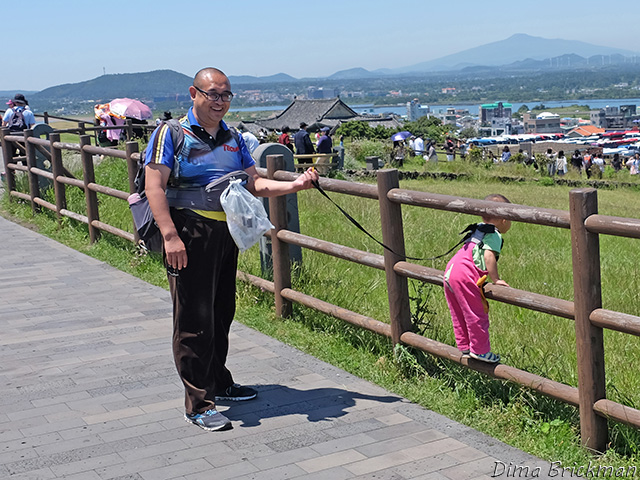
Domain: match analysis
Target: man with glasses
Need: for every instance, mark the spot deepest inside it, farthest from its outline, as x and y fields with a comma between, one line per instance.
x=200, y=255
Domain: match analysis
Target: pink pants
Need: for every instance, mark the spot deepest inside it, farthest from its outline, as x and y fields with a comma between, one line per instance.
x=470, y=322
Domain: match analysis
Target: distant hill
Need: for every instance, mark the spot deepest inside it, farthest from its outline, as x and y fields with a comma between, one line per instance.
x=516, y=54
x=245, y=79
x=352, y=73
x=148, y=85
x=513, y=49
x=143, y=86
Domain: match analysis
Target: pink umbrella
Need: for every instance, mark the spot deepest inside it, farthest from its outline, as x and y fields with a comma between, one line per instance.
x=128, y=107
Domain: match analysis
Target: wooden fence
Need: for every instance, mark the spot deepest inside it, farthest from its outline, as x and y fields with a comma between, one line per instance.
x=583, y=220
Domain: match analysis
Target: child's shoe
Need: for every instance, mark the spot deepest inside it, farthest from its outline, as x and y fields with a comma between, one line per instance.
x=488, y=357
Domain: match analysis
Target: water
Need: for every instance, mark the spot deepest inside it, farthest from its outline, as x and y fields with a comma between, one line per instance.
x=473, y=108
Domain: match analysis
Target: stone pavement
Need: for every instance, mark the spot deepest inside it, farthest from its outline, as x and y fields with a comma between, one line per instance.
x=89, y=392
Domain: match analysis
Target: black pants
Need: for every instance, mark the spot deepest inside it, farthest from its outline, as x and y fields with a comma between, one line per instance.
x=203, y=297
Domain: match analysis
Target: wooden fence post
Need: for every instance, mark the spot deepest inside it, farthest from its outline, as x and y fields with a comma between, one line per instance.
x=587, y=295
x=57, y=169
x=91, y=197
x=132, y=170
x=132, y=165
x=34, y=184
x=46, y=117
x=129, y=129
x=8, y=158
x=279, y=249
x=393, y=237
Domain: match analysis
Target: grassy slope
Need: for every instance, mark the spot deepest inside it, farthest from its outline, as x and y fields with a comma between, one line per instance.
x=535, y=258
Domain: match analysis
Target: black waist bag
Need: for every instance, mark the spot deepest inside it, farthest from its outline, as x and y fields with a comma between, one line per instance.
x=199, y=198
x=203, y=198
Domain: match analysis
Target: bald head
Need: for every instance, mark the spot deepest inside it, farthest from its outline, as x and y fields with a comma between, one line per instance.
x=208, y=74
x=207, y=84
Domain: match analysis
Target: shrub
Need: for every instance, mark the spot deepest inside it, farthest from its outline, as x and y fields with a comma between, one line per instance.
x=358, y=150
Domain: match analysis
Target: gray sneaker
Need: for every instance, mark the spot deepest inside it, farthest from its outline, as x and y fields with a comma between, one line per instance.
x=211, y=420
x=237, y=392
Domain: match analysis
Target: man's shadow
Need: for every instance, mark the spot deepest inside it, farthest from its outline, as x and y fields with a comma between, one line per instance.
x=319, y=404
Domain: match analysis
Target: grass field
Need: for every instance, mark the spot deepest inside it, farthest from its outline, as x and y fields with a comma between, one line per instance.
x=534, y=258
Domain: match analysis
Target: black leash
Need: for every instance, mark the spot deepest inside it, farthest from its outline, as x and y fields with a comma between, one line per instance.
x=469, y=230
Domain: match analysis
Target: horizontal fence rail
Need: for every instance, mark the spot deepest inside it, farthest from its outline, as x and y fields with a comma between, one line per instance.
x=51, y=150
x=582, y=219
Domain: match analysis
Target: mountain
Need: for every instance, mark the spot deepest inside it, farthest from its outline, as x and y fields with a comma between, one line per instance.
x=143, y=86
x=277, y=78
x=147, y=85
x=513, y=49
x=352, y=73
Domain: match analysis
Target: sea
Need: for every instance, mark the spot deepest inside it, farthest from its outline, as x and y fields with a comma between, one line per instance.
x=473, y=108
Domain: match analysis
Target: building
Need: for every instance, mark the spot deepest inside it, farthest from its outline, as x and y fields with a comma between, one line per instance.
x=544, y=122
x=584, y=131
x=416, y=111
x=316, y=93
x=320, y=113
x=495, y=119
x=612, y=118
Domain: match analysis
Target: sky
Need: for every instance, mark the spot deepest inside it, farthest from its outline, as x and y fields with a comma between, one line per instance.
x=70, y=41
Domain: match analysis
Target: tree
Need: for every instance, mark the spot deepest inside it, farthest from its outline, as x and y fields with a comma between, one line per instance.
x=354, y=129
x=468, y=132
x=428, y=127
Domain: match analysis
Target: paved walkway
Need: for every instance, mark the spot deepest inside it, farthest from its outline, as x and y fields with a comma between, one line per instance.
x=89, y=392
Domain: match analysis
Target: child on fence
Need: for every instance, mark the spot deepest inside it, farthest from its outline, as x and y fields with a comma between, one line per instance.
x=463, y=280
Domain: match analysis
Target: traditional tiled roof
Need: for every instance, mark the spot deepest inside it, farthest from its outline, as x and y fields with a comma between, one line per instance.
x=321, y=113
x=309, y=112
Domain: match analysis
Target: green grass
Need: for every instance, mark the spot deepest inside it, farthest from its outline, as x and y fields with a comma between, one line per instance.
x=535, y=258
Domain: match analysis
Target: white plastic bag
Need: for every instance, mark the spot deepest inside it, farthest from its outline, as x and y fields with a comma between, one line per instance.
x=246, y=218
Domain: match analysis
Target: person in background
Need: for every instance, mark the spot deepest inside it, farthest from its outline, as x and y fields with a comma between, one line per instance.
x=551, y=162
x=249, y=138
x=285, y=139
x=397, y=154
x=463, y=148
x=166, y=116
x=598, y=164
x=616, y=162
x=587, y=163
x=633, y=164
x=302, y=141
x=506, y=154
x=561, y=163
x=431, y=155
x=418, y=146
x=450, y=149
x=325, y=144
x=199, y=253
x=18, y=118
x=463, y=280
x=576, y=161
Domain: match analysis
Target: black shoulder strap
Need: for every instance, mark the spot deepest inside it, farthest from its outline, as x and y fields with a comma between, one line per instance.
x=235, y=134
x=177, y=137
x=177, y=134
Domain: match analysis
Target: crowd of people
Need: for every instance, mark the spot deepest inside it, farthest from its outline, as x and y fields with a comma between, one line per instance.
x=590, y=162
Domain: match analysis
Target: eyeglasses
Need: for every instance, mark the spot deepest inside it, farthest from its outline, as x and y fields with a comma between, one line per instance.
x=215, y=96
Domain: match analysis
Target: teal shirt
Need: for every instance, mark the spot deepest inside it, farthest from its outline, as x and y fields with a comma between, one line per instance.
x=491, y=241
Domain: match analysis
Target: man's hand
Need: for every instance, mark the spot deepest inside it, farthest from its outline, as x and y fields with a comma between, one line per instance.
x=305, y=181
x=176, y=252
x=501, y=282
